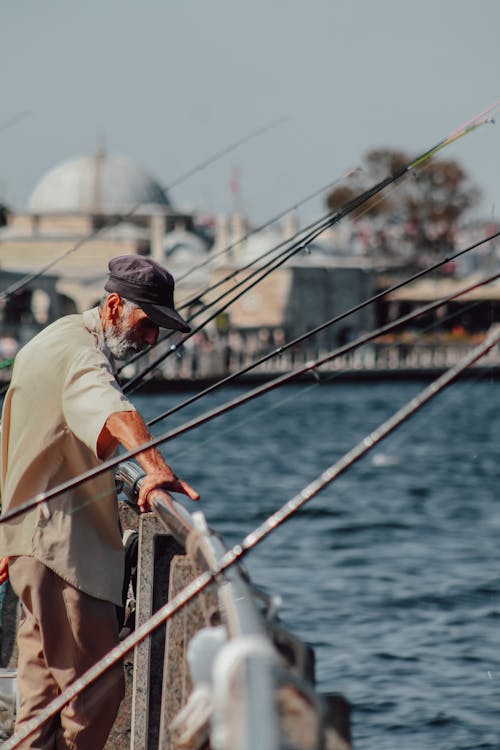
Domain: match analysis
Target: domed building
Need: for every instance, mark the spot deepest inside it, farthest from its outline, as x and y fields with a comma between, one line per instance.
x=86, y=210
x=100, y=185
x=81, y=213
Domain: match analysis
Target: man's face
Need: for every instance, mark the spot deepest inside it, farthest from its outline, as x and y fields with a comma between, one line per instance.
x=133, y=332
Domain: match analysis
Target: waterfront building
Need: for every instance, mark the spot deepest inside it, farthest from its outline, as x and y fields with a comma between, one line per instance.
x=86, y=210
x=80, y=214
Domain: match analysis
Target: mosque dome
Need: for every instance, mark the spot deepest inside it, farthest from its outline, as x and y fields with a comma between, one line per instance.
x=105, y=184
x=184, y=246
x=185, y=254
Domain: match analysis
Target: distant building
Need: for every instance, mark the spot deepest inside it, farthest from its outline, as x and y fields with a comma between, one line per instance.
x=314, y=285
x=86, y=210
x=83, y=212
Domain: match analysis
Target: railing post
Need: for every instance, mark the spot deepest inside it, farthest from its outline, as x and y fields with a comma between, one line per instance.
x=156, y=551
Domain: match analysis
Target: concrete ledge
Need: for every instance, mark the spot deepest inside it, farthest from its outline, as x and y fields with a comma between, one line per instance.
x=198, y=613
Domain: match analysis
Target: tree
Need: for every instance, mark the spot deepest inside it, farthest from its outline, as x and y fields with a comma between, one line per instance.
x=418, y=216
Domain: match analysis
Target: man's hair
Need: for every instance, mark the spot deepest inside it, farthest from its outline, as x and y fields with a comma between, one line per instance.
x=128, y=306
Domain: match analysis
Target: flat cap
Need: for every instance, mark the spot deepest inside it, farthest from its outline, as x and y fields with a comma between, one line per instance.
x=143, y=281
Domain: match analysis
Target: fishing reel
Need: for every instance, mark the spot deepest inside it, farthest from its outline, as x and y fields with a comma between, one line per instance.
x=128, y=478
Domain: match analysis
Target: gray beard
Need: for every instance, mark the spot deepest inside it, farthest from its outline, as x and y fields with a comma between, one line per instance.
x=119, y=344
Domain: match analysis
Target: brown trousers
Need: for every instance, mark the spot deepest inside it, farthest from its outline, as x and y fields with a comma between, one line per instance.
x=63, y=633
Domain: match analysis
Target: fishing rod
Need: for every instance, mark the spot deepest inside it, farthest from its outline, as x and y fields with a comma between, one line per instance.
x=28, y=278
x=236, y=272
x=468, y=127
x=231, y=275
x=11, y=121
x=308, y=368
x=256, y=230
x=227, y=150
x=351, y=206
x=258, y=275
x=251, y=540
x=204, y=307
x=261, y=272
x=135, y=357
x=17, y=286
x=308, y=334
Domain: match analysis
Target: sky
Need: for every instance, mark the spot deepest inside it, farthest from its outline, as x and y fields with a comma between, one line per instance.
x=169, y=83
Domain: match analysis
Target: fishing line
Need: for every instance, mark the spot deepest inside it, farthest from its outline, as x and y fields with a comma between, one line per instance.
x=309, y=367
x=452, y=401
x=251, y=540
x=333, y=375
x=437, y=407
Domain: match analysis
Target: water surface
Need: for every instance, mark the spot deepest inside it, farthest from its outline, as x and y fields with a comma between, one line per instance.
x=392, y=573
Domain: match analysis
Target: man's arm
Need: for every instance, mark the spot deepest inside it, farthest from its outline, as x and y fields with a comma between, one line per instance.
x=129, y=429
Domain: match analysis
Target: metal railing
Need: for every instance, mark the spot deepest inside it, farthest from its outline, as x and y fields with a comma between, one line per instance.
x=246, y=717
x=373, y=358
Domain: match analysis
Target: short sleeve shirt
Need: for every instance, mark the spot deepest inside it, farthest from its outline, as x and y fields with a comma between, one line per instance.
x=61, y=393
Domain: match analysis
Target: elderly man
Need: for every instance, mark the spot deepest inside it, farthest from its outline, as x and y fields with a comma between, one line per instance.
x=63, y=414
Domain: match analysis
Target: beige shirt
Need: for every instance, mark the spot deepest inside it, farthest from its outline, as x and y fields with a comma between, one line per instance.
x=62, y=391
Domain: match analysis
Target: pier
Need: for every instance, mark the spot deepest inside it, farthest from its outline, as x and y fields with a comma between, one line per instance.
x=387, y=360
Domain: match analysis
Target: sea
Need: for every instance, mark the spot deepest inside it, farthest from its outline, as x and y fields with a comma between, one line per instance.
x=392, y=572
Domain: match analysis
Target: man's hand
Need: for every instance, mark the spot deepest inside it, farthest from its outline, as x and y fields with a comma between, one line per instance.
x=128, y=428
x=159, y=480
x=4, y=569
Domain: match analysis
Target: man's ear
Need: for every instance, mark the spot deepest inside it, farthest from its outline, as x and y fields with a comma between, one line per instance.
x=114, y=307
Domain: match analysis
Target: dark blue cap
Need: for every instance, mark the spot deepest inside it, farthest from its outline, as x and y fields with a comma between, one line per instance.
x=143, y=281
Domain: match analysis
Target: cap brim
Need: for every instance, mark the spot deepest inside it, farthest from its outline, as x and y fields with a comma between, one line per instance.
x=165, y=317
